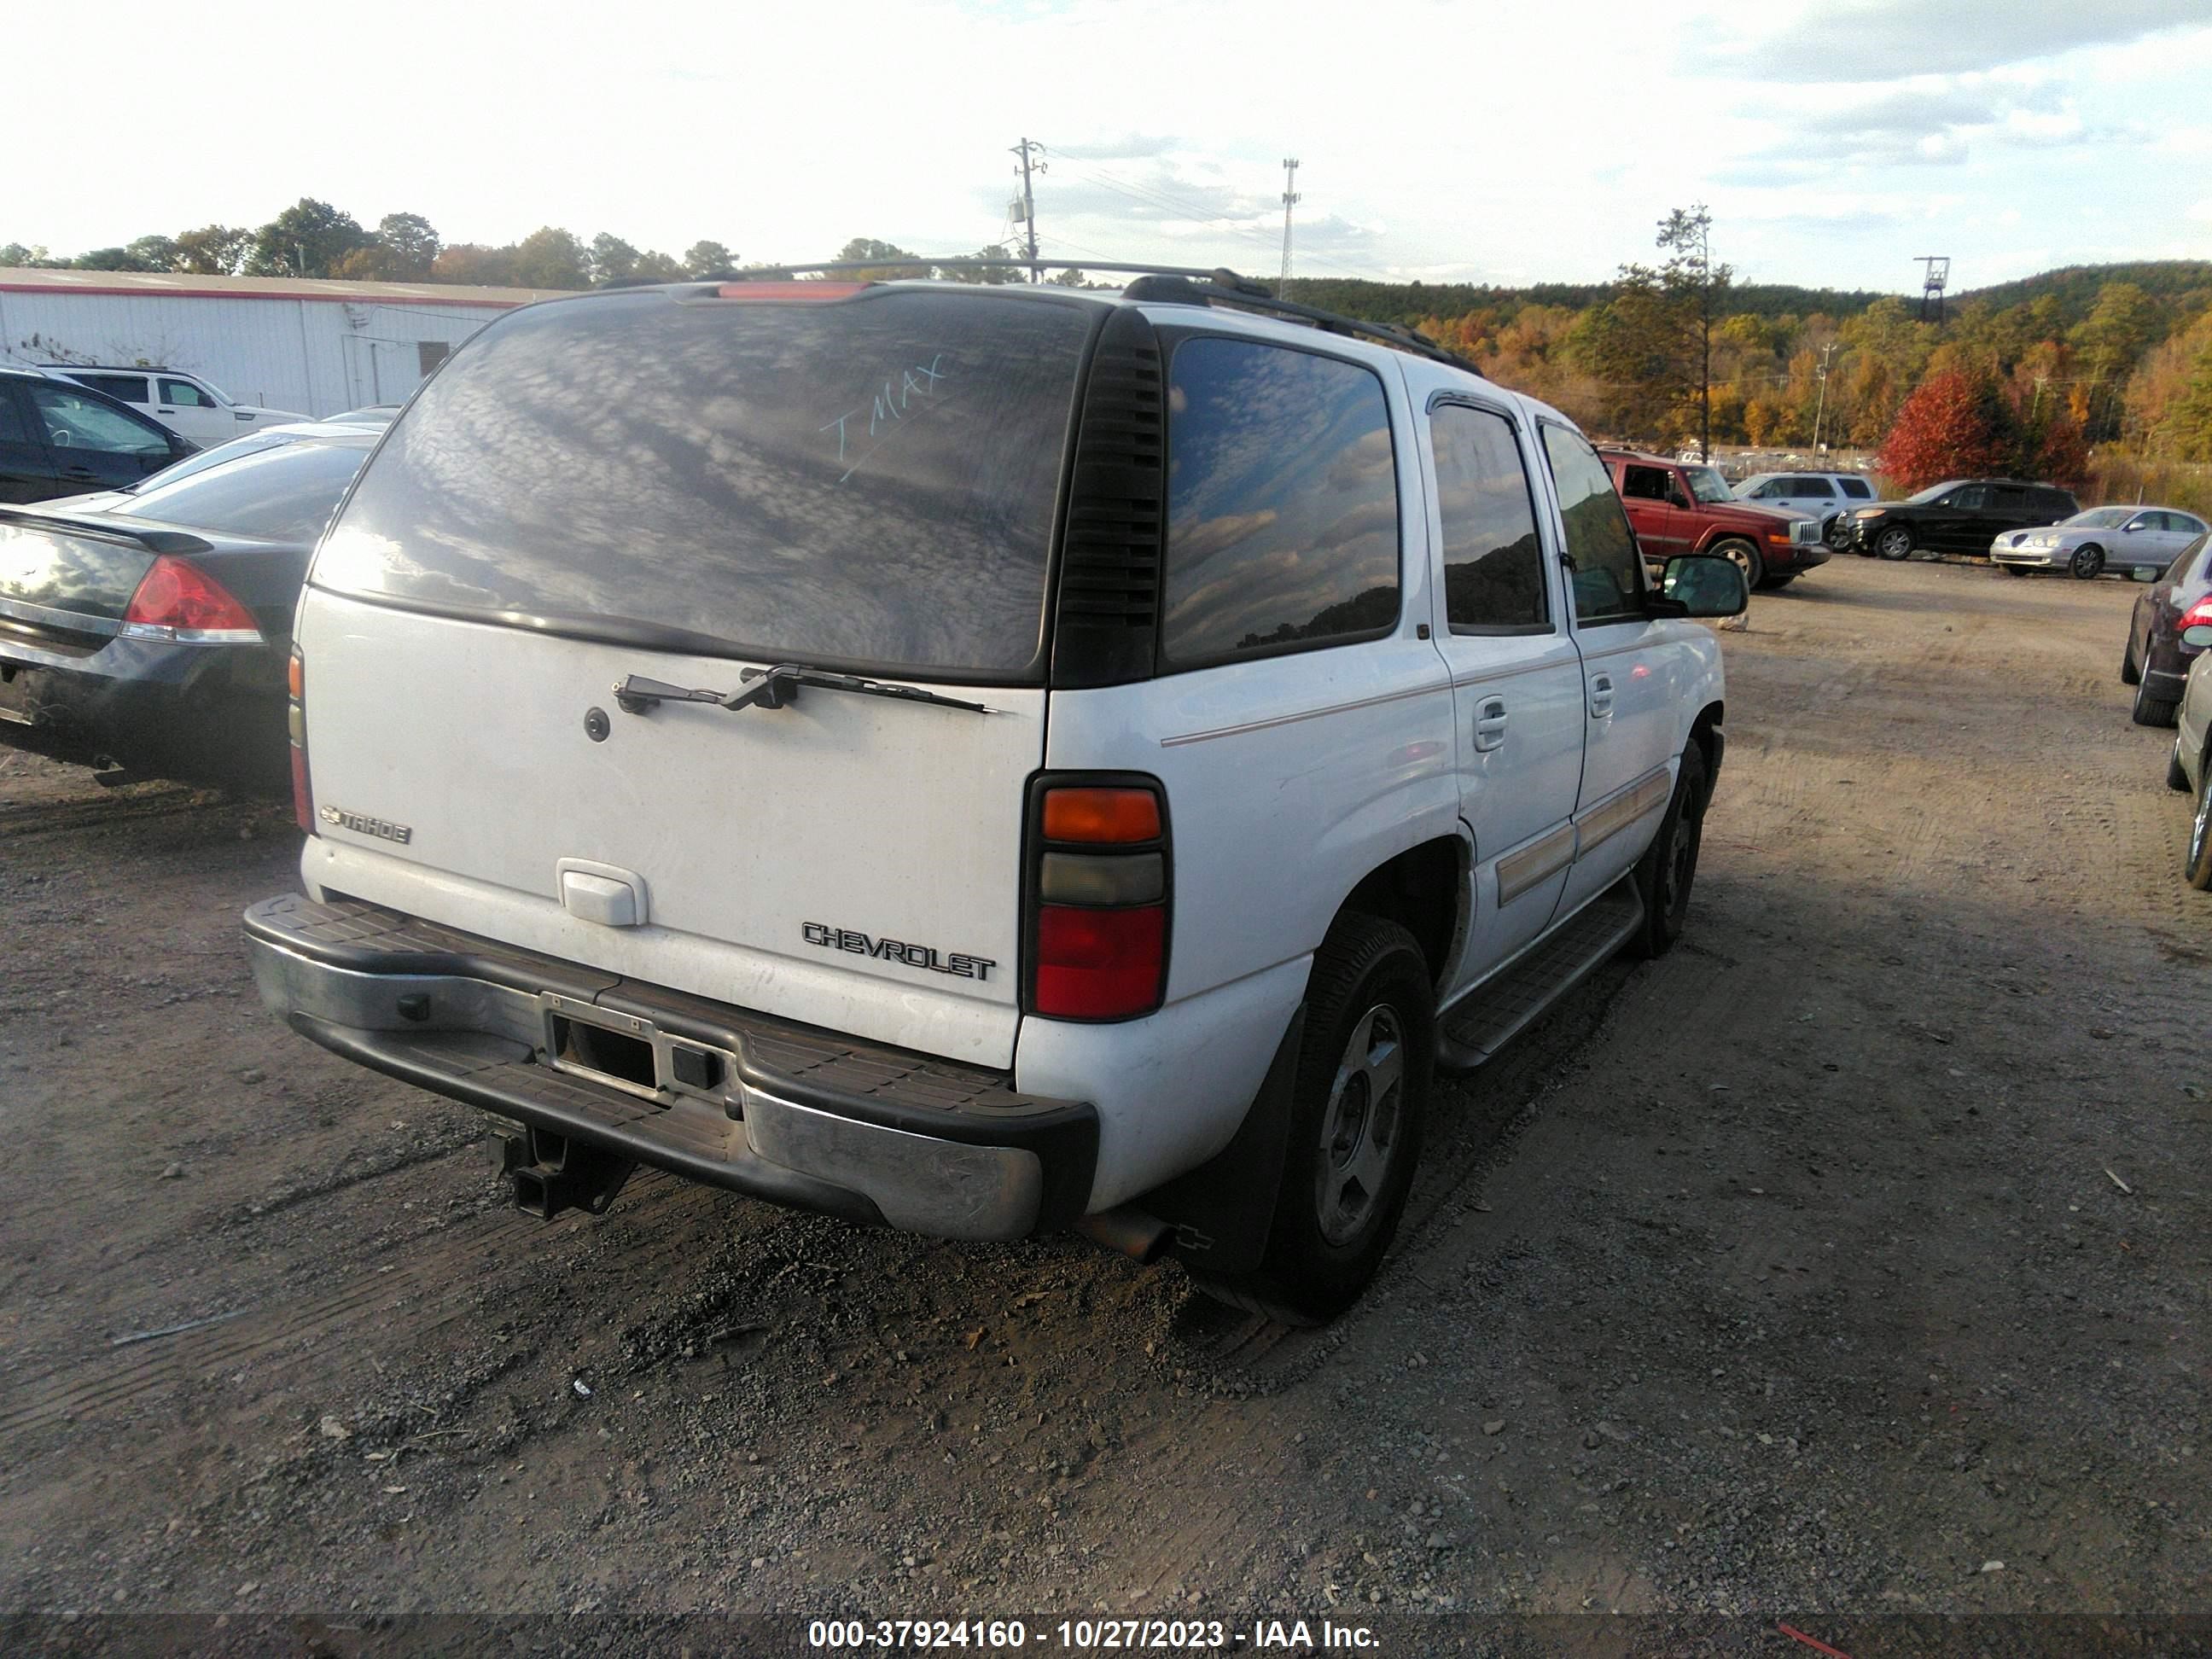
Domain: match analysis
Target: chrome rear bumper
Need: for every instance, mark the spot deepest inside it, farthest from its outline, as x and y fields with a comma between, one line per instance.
x=780, y=1111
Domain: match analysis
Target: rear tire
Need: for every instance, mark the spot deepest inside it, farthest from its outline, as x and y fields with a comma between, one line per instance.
x=1893, y=544
x=2176, y=779
x=2130, y=674
x=2088, y=563
x=1776, y=584
x=1357, y=1113
x=1743, y=555
x=2197, y=861
x=1668, y=868
x=2015, y=570
x=2149, y=709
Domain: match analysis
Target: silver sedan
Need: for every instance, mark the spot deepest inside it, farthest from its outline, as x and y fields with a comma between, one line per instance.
x=2129, y=538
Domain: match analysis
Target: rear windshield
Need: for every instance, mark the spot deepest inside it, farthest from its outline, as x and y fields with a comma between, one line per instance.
x=281, y=495
x=867, y=484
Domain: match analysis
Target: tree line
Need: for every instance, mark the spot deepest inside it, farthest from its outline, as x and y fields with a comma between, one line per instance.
x=2037, y=374
x=314, y=238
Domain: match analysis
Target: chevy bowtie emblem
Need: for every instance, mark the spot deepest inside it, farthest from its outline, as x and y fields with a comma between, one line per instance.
x=361, y=824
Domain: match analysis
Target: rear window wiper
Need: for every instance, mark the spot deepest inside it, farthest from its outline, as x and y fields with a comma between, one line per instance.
x=775, y=688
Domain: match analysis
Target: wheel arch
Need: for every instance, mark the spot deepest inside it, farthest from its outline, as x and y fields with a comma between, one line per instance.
x=1429, y=891
x=1708, y=732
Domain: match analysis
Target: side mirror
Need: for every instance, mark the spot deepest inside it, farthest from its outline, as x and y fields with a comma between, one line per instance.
x=2199, y=635
x=1704, y=585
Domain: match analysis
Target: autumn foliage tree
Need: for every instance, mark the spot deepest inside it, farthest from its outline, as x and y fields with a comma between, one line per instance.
x=1958, y=424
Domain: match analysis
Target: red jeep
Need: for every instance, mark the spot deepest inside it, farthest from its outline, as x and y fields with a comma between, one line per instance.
x=1681, y=506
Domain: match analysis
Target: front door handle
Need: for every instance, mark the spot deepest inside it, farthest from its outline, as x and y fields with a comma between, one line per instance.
x=1490, y=724
x=1600, y=697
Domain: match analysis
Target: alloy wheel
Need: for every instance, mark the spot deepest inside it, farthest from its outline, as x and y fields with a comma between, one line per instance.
x=1359, y=1128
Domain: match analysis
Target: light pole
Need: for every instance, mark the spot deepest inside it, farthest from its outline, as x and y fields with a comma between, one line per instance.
x=1821, y=409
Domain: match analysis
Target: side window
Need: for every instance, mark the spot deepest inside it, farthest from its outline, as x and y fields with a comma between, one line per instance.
x=1282, y=502
x=2055, y=502
x=1608, y=581
x=185, y=395
x=1857, y=489
x=1970, y=498
x=2178, y=570
x=131, y=388
x=1643, y=484
x=2010, y=498
x=1493, y=565
x=75, y=422
x=1814, y=488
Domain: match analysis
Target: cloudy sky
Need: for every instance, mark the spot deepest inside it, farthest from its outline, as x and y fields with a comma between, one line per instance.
x=1496, y=141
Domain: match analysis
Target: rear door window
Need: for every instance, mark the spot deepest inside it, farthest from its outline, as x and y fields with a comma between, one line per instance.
x=1282, y=502
x=1815, y=488
x=2007, y=499
x=131, y=388
x=867, y=484
x=1493, y=565
x=1643, y=484
x=2054, y=503
x=1608, y=577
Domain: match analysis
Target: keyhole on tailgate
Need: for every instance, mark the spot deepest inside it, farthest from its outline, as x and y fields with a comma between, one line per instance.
x=595, y=725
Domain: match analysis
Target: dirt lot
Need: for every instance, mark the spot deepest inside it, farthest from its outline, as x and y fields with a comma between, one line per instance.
x=1851, y=1260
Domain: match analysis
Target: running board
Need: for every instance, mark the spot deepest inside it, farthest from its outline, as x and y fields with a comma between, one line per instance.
x=1496, y=1012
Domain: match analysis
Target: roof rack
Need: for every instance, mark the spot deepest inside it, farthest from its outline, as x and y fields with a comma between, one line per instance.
x=1173, y=284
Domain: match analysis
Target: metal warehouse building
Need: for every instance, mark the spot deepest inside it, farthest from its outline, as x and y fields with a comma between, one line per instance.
x=286, y=343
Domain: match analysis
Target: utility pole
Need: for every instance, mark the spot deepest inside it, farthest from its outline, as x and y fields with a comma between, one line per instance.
x=1704, y=335
x=1290, y=200
x=1821, y=408
x=1028, y=149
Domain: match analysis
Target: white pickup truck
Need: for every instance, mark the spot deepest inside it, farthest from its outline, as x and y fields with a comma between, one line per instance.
x=982, y=759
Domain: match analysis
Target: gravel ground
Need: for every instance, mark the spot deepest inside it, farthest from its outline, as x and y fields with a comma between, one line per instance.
x=1849, y=1261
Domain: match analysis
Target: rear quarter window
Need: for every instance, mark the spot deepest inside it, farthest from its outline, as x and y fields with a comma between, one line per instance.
x=1857, y=489
x=1282, y=502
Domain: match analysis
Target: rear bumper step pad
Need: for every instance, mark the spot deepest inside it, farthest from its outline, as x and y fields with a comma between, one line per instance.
x=797, y=1115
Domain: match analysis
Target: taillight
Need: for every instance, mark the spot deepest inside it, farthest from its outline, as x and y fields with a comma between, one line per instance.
x=295, y=726
x=2198, y=615
x=1098, y=892
x=178, y=600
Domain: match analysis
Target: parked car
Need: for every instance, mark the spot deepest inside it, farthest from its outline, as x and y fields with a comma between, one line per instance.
x=61, y=439
x=2129, y=538
x=2190, y=766
x=369, y=414
x=1963, y=515
x=267, y=437
x=186, y=404
x=155, y=642
x=982, y=759
x=1823, y=494
x=1677, y=507
x=2157, y=658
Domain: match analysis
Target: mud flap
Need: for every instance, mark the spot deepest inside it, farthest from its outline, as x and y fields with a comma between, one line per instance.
x=1220, y=1214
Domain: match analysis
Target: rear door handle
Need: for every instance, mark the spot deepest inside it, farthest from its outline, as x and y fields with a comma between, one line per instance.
x=1490, y=724
x=1600, y=697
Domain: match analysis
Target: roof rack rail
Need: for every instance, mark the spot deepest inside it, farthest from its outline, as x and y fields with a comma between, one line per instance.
x=1176, y=284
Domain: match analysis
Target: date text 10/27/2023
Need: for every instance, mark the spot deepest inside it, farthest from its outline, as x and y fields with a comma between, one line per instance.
x=1093, y=1635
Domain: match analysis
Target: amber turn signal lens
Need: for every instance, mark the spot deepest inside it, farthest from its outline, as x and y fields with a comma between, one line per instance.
x=296, y=678
x=1101, y=815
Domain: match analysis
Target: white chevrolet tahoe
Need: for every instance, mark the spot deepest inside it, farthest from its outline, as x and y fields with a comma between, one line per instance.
x=982, y=759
